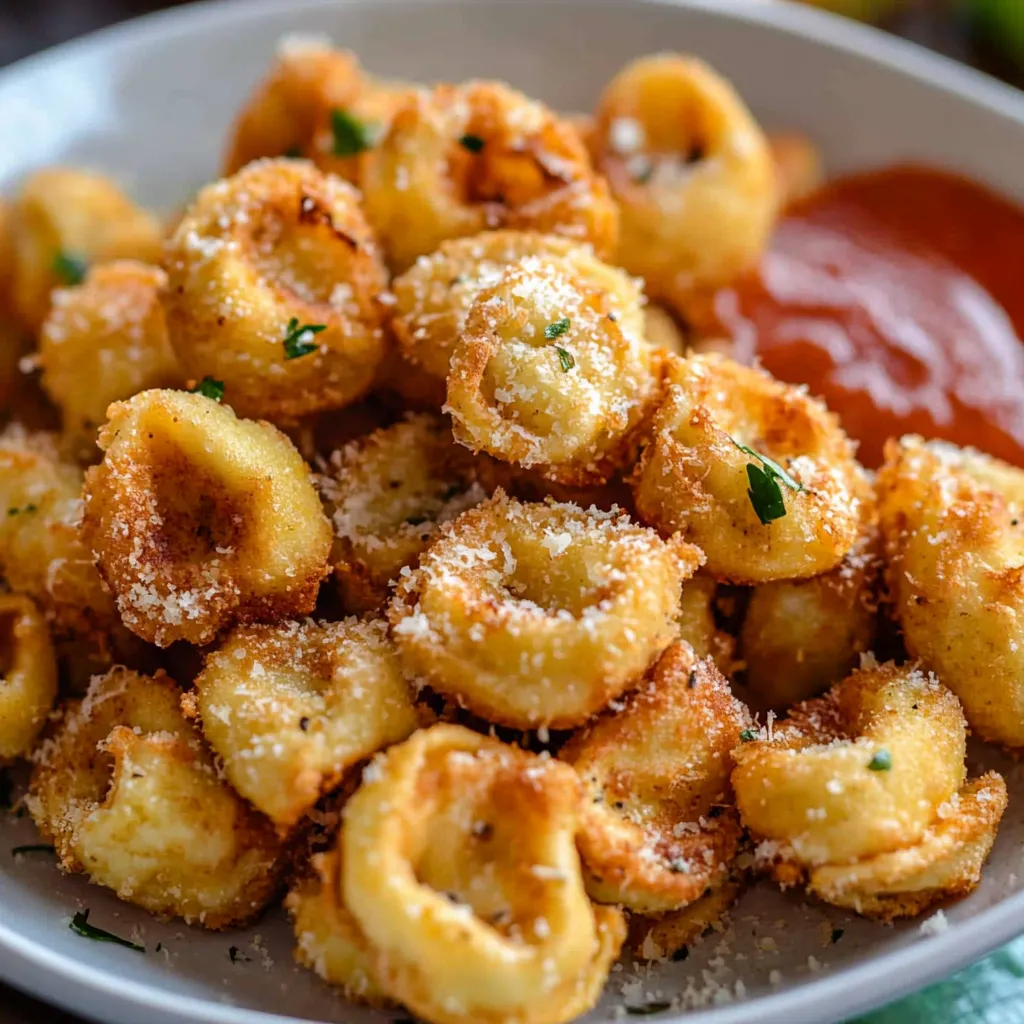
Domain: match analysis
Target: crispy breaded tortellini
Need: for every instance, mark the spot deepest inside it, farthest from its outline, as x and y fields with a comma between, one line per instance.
x=711, y=471
x=200, y=520
x=460, y=868
x=41, y=553
x=434, y=296
x=102, y=342
x=663, y=936
x=548, y=374
x=387, y=495
x=128, y=793
x=698, y=625
x=28, y=675
x=65, y=220
x=799, y=637
x=289, y=709
x=539, y=614
x=274, y=280
x=952, y=523
x=692, y=173
x=659, y=826
x=327, y=938
x=464, y=158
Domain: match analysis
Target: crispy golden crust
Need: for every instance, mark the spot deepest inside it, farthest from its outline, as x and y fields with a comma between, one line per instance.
x=461, y=159
x=551, y=375
x=289, y=709
x=434, y=296
x=387, y=495
x=327, y=938
x=693, y=476
x=461, y=870
x=539, y=614
x=946, y=862
x=668, y=935
x=659, y=826
x=28, y=680
x=200, y=520
x=692, y=174
x=697, y=625
x=799, y=637
x=103, y=342
x=276, y=247
x=952, y=524
x=127, y=792
x=41, y=553
x=80, y=216
x=809, y=786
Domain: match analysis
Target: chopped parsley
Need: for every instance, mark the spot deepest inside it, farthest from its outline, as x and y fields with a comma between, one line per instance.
x=646, y=1009
x=237, y=956
x=297, y=338
x=32, y=848
x=881, y=762
x=764, y=492
x=749, y=735
x=210, y=388
x=351, y=136
x=472, y=142
x=80, y=926
x=22, y=510
x=557, y=329
x=70, y=267
x=565, y=358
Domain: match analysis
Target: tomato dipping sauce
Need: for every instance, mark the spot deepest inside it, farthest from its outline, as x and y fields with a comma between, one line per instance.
x=898, y=297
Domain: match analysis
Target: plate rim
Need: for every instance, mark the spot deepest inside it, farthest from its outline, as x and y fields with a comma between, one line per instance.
x=879, y=979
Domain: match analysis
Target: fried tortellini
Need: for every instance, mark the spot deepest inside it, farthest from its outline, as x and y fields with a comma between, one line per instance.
x=464, y=158
x=65, y=220
x=951, y=519
x=460, y=869
x=659, y=826
x=538, y=614
x=722, y=430
x=199, y=519
x=387, y=495
x=128, y=793
x=103, y=342
x=274, y=281
x=692, y=173
x=550, y=375
x=698, y=624
x=289, y=709
x=857, y=786
x=28, y=680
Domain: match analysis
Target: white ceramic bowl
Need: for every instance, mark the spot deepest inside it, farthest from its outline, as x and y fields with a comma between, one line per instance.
x=150, y=102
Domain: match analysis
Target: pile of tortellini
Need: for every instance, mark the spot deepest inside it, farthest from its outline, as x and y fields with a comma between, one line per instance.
x=376, y=542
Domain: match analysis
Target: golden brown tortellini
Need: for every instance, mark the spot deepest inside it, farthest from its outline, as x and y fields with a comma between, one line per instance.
x=289, y=709
x=460, y=868
x=464, y=158
x=692, y=174
x=65, y=220
x=274, y=282
x=538, y=614
x=200, y=520
x=698, y=625
x=721, y=430
x=103, y=341
x=659, y=826
x=952, y=523
x=387, y=495
x=128, y=793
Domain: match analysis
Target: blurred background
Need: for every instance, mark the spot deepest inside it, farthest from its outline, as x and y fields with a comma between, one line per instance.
x=986, y=33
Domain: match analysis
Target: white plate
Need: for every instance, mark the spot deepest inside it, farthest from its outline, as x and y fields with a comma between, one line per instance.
x=150, y=103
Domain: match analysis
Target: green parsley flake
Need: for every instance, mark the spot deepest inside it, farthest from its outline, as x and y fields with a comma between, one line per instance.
x=472, y=142
x=557, y=329
x=298, y=338
x=79, y=924
x=70, y=267
x=881, y=762
x=764, y=492
x=351, y=136
x=565, y=358
x=749, y=735
x=210, y=388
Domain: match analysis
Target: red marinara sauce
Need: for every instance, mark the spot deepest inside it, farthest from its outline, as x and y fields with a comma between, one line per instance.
x=898, y=297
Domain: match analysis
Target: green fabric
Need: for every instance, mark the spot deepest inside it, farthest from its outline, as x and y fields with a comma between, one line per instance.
x=989, y=992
